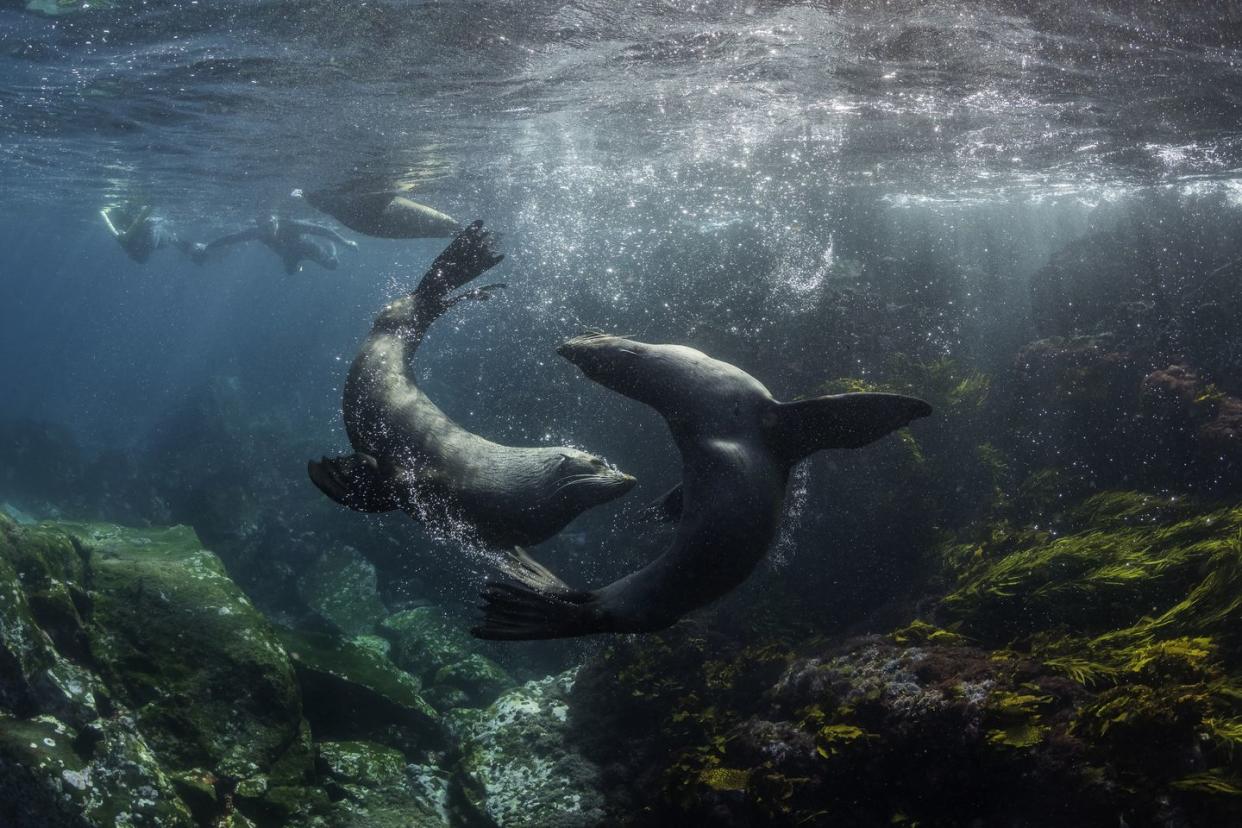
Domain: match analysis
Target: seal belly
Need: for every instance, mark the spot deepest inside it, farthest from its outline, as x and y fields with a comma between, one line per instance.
x=733, y=502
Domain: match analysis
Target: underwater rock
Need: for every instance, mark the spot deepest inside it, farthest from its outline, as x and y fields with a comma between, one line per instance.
x=429, y=645
x=927, y=726
x=373, y=786
x=424, y=640
x=1207, y=420
x=1147, y=276
x=1077, y=400
x=473, y=681
x=351, y=691
x=102, y=776
x=340, y=586
x=517, y=769
x=35, y=568
x=173, y=697
x=16, y=515
x=181, y=645
x=1088, y=403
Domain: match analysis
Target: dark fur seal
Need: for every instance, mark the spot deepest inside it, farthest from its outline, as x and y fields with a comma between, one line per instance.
x=409, y=455
x=382, y=213
x=737, y=445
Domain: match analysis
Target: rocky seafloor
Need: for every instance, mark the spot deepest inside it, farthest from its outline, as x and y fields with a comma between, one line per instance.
x=1087, y=672
x=139, y=686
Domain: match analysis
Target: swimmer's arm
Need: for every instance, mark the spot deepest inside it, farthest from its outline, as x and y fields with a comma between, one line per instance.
x=322, y=230
x=144, y=212
x=240, y=236
x=105, y=212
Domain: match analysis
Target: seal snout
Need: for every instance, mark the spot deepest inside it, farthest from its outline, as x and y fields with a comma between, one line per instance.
x=586, y=349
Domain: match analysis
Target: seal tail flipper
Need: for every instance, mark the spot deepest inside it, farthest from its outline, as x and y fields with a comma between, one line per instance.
x=352, y=480
x=538, y=606
x=469, y=255
x=841, y=421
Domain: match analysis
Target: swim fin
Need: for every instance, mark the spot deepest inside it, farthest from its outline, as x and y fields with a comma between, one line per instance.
x=841, y=421
x=353, y=480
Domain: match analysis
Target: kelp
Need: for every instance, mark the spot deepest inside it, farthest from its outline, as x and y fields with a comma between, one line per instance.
x=1139, y=602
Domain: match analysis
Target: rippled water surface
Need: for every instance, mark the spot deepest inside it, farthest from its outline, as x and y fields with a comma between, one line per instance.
x=739, y=103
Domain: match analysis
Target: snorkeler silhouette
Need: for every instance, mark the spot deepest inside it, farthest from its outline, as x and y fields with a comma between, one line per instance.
x=292, y=240
x=140, y=231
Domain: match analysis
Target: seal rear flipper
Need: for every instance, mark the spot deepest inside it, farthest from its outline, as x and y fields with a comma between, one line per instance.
x=539, y=606
x=353, y=480
x=841, y=421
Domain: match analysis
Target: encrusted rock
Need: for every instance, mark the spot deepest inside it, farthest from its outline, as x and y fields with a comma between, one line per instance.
x=516, y=769
x=351, y=691
x=102, y=776
x=373, y=786
x=183, y=647
x=427, y=644
x=340, y=586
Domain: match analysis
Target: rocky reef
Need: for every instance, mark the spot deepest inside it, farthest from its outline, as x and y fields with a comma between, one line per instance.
x=1088, y=673
x=140, y=687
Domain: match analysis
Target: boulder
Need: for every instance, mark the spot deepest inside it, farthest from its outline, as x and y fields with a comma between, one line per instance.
x=102, y=776
x=427, y=644
x=340, y=586
x=354, y=691
x=373, y=786
x=180, y=644
x=517, y=769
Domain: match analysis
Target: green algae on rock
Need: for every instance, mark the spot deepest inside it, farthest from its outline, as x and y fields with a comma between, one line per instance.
x=184, y=648
x=185, y=700
x=427, y=644
x=34, y=676
x=340, y=586
x=49, y=776
x=350, y=690
x=373, y=786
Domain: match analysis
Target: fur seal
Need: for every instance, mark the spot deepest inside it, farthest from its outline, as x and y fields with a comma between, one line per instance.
x=385, y=214
x=409, y=455
x=737, y=444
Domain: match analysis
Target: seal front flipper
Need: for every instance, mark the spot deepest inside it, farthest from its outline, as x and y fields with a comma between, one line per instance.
x=353, y=480
x=840, y=421
x=665, y=509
